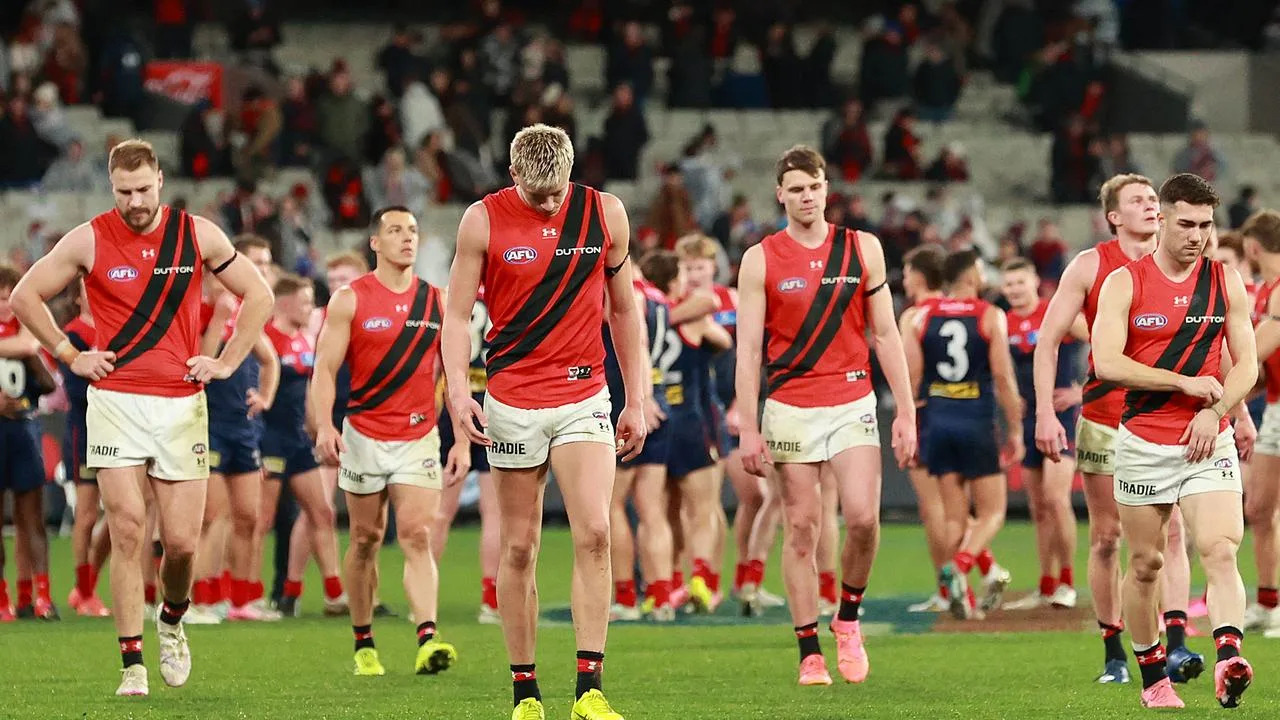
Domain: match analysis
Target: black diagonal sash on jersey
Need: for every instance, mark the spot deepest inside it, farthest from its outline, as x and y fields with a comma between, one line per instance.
x=844, y=296
x=173, y=298
x=399, y=347
x=525, y=319
x=585, y=264
x=838, y=260
x=411, y=364
x=1099, y=389
x=1203, y=301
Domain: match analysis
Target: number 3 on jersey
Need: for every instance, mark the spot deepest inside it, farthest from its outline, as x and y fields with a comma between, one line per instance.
x=956, y=366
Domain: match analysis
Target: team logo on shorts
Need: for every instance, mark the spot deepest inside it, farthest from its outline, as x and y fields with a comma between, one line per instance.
x=1223, y=463
x=429, y=463
x=599, y=415
x=868, y=418
x=199, y=448
x=790, y=285
x=377, y=324
x=520, y=255
x=1150, y=321
x=122, y=273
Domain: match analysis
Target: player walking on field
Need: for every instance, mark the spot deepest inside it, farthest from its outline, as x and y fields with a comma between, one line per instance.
x=147, y=420
x=814, y=288
x=1166, y=319
x=547, y=250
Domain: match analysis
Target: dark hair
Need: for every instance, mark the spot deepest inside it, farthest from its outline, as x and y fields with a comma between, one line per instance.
x=9, y=276
x=957, y=264
x=800, y=157
x=1190, y=189
x=660, y=267
x=375, y=223
x=927, y=260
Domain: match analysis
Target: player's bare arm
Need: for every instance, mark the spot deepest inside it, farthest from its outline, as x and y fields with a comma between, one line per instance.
x=1268, y=331
x=699, y=303
x=996, y=325
x=22, y=345
x=1059, y=318
x=1202, y=432
x=262, y=397
x=909, y=330
x=243, y=279
x=715, y=336
x=626, y=329
x=751, y=308
x=889, y=349
x=458, y=462
x=49, y=276
x=1246, y=433
x=455, y=335
x=331, y=350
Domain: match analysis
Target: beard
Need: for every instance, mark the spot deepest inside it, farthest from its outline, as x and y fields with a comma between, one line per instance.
x=139, y=218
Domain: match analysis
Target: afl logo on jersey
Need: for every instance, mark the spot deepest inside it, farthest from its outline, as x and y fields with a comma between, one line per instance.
x=795, y=284
x=122, y=273
x=1150, y=321
x=377, y=324
x=521, y=255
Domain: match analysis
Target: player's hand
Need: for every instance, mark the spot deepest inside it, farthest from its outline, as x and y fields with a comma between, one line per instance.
x=469, y=417
x=1051, y=437
x=1246, y=436
x=631, y=432
x=11, y=407
x=653, y=415
x=329, y=445
x=1014, y=449
x=755, y=454
x=904, y=438
x=458, y=464
x=1067, y=397
x=1205, y=387
x=256, y=403
x=1200, y=436
x=94, y=364
x=204, y=369
x=733, y=420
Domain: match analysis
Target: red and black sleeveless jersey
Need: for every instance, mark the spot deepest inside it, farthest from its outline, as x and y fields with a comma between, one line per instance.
x=544, y=283
x=1103, y=401
x=1270, y=365
x=145, y=295
x=727, y=315
x=815, y=320
x=395, y=339
x=1174, y=326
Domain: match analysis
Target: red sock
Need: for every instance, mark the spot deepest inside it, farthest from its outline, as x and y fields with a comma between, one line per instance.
x=625, y=592
x=240, y=592
x=985, y=560
x=149, y=593
x=739, y=573
x=964, y=562
x=200, y=592
x=489, y=592
x=827, y=588
x=42, y=588
x=4, y=593
x=970, y=597
x=1067, y=576
x=755, y=572
x=943, y=592
x=702, y=569
x=332, y=587
x=1268, y=597
x=293, y=588
x=660, y=592
x=84, y=579
x=225, y=585
x=24, y=592
x=677, y=579
x=256, y=591
x=713, y=582
x=1047, y=585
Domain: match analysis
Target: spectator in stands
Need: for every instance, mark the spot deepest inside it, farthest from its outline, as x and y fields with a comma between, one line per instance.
x=49, y=119
x=395, y=182
x=819, y=90
x=72, y=172
x=66, y=62
x=297, y=230
x=421, y=111
x=625, y=135
x=558, y=110
x=500, y=50
x=203, y=155
x=259, y=123
x=254, y=31
x=384, y=130
x=1049, y=251
x=782, y=68
x=478, y=97
x=690, y=75
x=950, y=165
x=1018, y=34
x=736, y=229
x=120, y=70
x=1117, y=160
x=856, y=215
x=883, y=71
x=705, y=176
x=1057, y=85
x=298, y=136
x=398, y=61
x=937, y=86
x=846, y=144
x=1199, y=156
x=343, y=119
x=630, y=62
x=173, y=28
x=586, y=22
x=470, y=133
x=428, y=160
x=1073, y=167
x=671, y=213
x=955, y=35
x=26, y=155
x=902, y=148
x=245, y=209
x=1244, y=206
x=555, y=67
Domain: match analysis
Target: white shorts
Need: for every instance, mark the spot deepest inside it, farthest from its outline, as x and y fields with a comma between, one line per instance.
x=169, y=435
x=1151, y=474
x=1269, y=434
x=369, y=466
x=1095, y=448
x=816, y=434
x=523, y=438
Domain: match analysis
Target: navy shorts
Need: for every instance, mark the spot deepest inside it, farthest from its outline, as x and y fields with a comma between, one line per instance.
x=286, y=455
x=954, y=446
x=479, y=456
x=74, y=446
x=690, y=445
x=1032, y=457
x=1256, y=407
x=234, y=451
x=657, y=447
x=21, y=459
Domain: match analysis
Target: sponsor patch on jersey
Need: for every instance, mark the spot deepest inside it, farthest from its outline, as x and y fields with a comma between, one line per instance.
x=1223, y=463
x=1150, y=321
x=794, y=284
x=520, y=255
x=122, y=273
x=377, y=324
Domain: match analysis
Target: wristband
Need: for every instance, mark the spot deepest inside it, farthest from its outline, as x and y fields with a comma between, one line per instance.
x=60, y=350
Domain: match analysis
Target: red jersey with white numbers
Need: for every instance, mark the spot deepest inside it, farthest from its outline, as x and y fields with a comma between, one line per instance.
x=1103, y=401
x=1175, y=326
x=815, y=320
x=1270, y=365
x=395, y=340
x=544, y=281
x=145, y=295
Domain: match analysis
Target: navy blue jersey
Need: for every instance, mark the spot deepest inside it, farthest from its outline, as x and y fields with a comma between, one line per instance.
x=957, y=368
x=82, y=336
x=658, y=325
x=687, y=372
x=297, y=357
x=227, y=398
x=16, y=378
x=1024, y=335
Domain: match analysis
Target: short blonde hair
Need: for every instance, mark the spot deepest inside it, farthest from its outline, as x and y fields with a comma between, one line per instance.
x=348, y=259
x=696, y=247
x=1109, y=193
x=542, y=156
x=131, y=155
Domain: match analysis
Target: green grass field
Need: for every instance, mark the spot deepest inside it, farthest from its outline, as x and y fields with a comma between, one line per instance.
x=302, y=668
